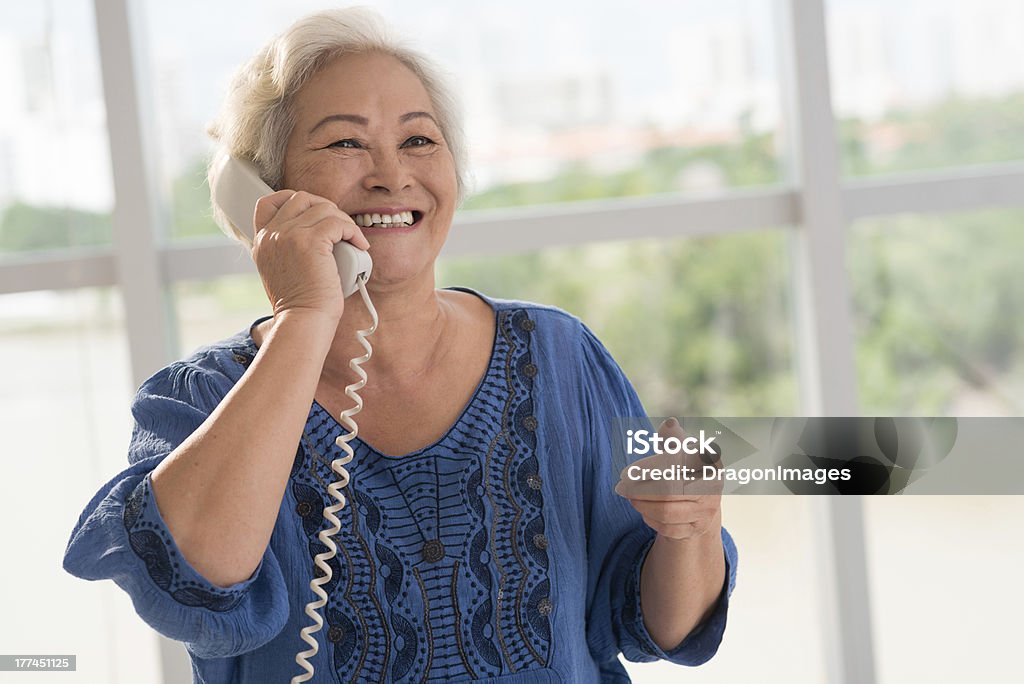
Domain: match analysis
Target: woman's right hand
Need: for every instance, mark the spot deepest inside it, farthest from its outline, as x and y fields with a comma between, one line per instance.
x=294, y=252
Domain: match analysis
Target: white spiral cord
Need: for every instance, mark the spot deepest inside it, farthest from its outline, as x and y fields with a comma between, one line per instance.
x=337, y=465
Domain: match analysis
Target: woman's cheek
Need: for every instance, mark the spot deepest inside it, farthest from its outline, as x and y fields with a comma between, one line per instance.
x=340, y=178
x=442, y=166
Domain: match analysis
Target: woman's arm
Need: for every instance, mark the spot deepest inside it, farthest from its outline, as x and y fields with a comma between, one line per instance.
x=680, y=584
x=220, y=491
x=684, y=572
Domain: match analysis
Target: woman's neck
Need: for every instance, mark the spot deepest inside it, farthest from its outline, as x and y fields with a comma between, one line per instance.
x=413, y=319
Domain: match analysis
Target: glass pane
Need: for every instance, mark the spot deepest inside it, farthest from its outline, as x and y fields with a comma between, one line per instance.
x=701, y=326
x=938, y=314
x=563, y=101
x=55, y=184
x=928, y=83
x=774, y=621
x=945, y=606
x=65, y=405
x=210, y=310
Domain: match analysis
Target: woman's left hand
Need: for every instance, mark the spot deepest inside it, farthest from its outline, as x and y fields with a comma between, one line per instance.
x=675, y=509
x=684, y=572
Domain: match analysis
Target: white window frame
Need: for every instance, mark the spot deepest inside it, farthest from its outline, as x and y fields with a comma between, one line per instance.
x=816, y=204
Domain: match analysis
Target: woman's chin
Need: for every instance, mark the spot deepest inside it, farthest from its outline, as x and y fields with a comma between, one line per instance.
x=392, y=275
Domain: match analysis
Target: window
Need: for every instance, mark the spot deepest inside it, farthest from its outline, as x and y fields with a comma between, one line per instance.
x=671, y=110
x=711, y=313
x=922, y=85
x=210, y=310
x=66, y=388
x=55, y=184
x=927, y=597
x=65, y=401
x=562, y=102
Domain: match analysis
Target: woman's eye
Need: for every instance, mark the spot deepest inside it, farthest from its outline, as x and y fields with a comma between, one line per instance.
x=347, y=143
x=419, y=141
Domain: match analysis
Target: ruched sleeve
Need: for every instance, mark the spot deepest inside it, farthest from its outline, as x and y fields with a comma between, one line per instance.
x=618, y=539
x=121, y=535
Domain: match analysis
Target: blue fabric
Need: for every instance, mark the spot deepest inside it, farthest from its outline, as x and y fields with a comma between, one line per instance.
x=500, y=553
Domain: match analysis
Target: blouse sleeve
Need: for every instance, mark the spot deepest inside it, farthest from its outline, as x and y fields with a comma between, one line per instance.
x=121, y=535
x=618, y=538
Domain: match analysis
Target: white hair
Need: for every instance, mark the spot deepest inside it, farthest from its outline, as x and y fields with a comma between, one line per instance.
x=258, y=114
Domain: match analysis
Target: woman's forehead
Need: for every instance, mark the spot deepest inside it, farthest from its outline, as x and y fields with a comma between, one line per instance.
x=368, y=85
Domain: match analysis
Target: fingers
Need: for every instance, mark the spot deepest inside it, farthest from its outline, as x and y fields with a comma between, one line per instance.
x=669, y=490
x=670, y=427
x=694, y=456
x=680, y=520
x=327, y=219
x=678, y=470
x=268, y=206
x=674, y=512
x=337, y=226
x=287, y=204
x=298, y=209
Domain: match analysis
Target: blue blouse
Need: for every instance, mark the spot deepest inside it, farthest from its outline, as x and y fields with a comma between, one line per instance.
x=500, y=553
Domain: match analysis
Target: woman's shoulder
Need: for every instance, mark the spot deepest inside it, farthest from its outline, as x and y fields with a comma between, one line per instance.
x=209, y=369
x=518, y=311
x=563, y=333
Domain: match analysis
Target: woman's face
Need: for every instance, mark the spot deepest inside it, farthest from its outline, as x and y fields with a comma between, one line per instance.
x=366, y=138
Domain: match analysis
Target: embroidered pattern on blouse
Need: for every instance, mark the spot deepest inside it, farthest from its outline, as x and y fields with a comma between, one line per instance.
x=154, y=546
x=439, y=574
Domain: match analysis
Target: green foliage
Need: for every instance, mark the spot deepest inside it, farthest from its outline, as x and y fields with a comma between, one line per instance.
x=751, y=162
x=28, y=228
x=700, y=325
x=190, y=199
x=937, y=307
x=957, y=131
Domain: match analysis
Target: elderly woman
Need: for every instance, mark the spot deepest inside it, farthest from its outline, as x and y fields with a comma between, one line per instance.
x=483, y=539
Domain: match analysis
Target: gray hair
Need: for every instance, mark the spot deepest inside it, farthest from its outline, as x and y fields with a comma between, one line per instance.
x=258, y=117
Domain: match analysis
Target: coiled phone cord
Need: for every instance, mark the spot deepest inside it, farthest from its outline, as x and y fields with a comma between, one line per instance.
x=337, y=465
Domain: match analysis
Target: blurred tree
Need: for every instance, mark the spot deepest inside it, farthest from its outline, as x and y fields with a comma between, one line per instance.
x=190, y=202
x=28, y=228
x=937, y=306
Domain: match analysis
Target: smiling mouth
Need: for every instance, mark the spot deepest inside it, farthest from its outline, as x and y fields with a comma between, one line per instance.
x=402, y=219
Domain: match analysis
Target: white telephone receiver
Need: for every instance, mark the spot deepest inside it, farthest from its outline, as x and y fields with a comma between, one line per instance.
x=236, y=190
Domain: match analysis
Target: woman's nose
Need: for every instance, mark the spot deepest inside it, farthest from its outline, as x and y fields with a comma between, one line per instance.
x=387, y=172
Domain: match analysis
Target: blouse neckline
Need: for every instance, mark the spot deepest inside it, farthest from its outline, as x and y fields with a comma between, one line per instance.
x=317, y=407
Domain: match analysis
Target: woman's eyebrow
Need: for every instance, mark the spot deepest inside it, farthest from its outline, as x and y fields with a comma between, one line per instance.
x=363, y=121
x=417, y=115
x=354, y=118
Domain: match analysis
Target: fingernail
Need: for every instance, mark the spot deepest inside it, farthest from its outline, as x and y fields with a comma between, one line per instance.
x=671, y=422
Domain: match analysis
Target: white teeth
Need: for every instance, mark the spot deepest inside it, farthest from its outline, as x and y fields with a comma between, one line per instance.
x=384, y=220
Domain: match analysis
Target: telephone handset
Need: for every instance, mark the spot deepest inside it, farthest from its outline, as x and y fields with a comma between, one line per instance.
x=237, y=188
